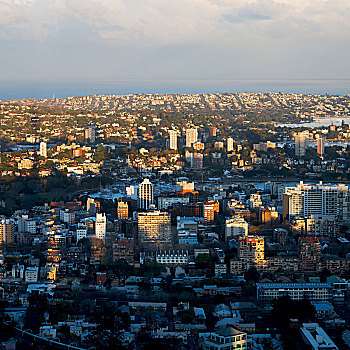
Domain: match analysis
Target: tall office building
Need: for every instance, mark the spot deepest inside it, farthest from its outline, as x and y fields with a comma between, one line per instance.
x=122, y=211
x=100, y=226
x=90, y=134
x=251, y=249
x=229, y=144
x=146, y=196
x=154, y=227
x=320, y=146
x=43, y=149
x=301, y=140
x=305, y=200
x=173, y=139
x=309, y=253
x=191, y=136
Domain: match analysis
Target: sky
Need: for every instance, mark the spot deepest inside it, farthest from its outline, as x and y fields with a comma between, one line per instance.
x=87, y=41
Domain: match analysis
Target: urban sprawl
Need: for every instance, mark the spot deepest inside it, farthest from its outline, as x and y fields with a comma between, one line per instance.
x=214, y=222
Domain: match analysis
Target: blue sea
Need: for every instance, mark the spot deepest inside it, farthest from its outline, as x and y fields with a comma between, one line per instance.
x=15, y=90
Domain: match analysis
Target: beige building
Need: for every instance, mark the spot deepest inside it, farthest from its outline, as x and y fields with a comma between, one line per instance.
x=154, y=227
x=122, y=211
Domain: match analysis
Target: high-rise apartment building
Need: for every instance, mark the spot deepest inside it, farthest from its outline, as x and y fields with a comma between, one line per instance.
x=122, y=211
x=301, y=140
x=235, y=227
x=230, y=144
x=154, y=227
x=211, y=211
x=194, y=159
x=43, y=149
x=251, y=249
x=320, y=146
x=90, y=134
x=309, y=253
x=191, y=136
x=173, y=139
x=305, y=200
x=100, y=226
x=146, y=194
x=7, y=229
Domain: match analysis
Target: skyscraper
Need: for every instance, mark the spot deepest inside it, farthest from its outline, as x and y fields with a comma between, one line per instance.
x=301, y=140
x=154, y=227
x=320, y=146
x=173, y=139
x=146, y=196
x=43, y=149
x=100, y=226
x=191, y=136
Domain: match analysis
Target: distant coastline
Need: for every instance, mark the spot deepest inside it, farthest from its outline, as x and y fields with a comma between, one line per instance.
x=19, y=90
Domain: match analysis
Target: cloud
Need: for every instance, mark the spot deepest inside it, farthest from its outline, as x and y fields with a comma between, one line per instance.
x=171, y=21
x=187, y=38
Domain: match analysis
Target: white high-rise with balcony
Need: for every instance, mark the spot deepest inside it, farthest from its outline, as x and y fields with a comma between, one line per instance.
x=146, y=196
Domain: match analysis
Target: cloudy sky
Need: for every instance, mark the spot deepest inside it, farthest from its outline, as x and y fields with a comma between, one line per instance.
x=104, y=40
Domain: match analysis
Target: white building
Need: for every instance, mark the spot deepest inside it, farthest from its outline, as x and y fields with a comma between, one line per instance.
x=235, y=227
x=146, y=196
x=166, y=202
x=306, y=199
x=43, y=149
x=229, y=144
x=81, y=231
x=173, y=139
x=301, y=140
x=191, y=136
x=31, y=274
x=26, y=225
x=172, y=257
x=100, y=226
x=67, y=216
x=297, y=291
